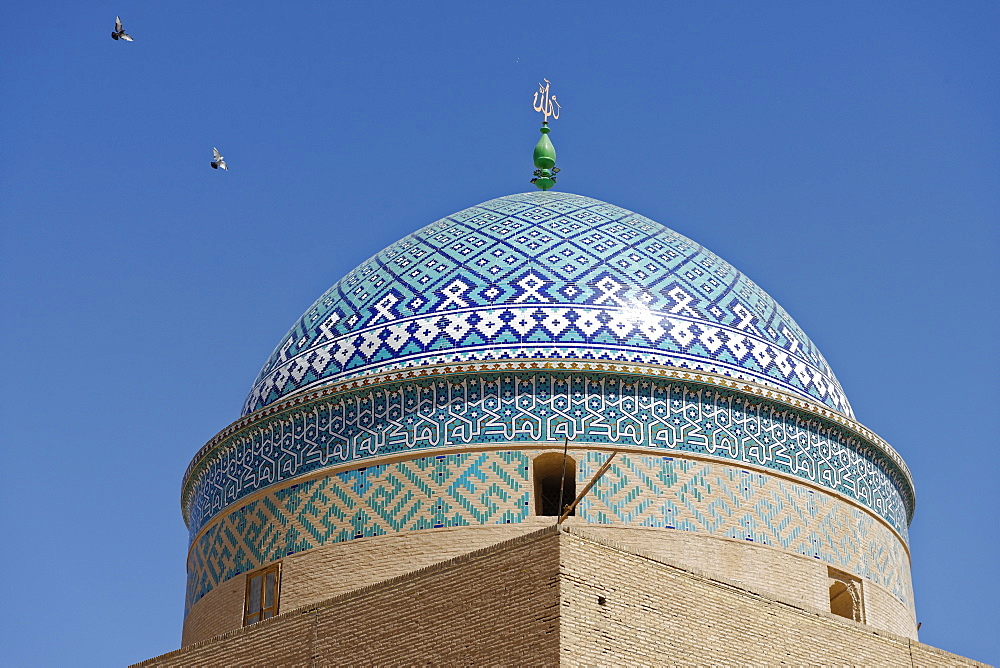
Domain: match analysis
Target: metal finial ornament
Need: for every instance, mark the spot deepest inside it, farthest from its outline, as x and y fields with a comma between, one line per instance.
x=546, y=103
x=545, y=152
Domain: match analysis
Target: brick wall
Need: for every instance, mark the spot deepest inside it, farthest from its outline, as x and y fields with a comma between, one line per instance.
x=219, y=611
x=654, y=613
x=501, y=607
x=533, y=600
x=321, y=573
x=781, y=575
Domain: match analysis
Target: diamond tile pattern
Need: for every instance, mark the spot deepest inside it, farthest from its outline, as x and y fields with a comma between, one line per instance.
x=550, y=275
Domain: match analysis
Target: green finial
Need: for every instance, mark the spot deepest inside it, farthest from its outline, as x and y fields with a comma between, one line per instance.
x=545, y=161
x=545, y=152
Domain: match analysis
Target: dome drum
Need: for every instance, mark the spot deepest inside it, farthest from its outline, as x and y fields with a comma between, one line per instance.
x=408, y=412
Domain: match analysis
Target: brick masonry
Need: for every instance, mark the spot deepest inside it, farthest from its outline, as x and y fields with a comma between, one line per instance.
x=557, y=598
x=316, y=575
x=445, y=614
x=655, y=613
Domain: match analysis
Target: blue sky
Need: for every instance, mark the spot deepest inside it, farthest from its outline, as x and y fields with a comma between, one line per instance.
x=844, y=156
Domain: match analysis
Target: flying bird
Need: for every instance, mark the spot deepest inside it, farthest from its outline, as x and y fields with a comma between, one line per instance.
x=119, y=32
x=218, y=162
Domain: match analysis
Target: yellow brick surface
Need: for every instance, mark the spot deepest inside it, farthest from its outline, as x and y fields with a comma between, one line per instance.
x=321, y=573
x=781, y=575
x=534, y=600
x=656, y=614
x=464, y=612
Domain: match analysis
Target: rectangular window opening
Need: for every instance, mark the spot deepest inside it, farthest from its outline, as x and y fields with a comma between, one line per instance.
x=262, y=594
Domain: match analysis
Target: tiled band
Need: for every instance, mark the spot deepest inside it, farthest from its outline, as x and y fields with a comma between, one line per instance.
x=506, y=408
x=493, y=488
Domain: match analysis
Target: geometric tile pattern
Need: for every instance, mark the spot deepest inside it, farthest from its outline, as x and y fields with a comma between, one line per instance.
x=502, y=409
x=745, y=505
x=547, y=275
x=493, y=488
x=441, y=491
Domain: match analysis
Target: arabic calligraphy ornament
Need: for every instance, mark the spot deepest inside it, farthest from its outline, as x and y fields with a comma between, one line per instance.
x=546, y=103
x=545, y=153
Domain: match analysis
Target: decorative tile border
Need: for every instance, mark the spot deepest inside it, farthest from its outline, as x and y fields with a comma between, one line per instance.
x=543, y=406
x=634, y=335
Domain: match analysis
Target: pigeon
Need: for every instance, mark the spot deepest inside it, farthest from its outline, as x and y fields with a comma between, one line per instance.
x=218, y=162
x=119, y=32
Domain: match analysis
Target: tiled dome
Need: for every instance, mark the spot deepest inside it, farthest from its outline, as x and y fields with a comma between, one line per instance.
x=546, y=275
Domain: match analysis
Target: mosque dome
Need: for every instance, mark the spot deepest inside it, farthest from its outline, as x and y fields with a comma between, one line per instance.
x=455, y=389
x=546, y=275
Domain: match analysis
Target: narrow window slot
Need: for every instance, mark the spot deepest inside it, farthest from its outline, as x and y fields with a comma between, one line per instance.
x=548, y=476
